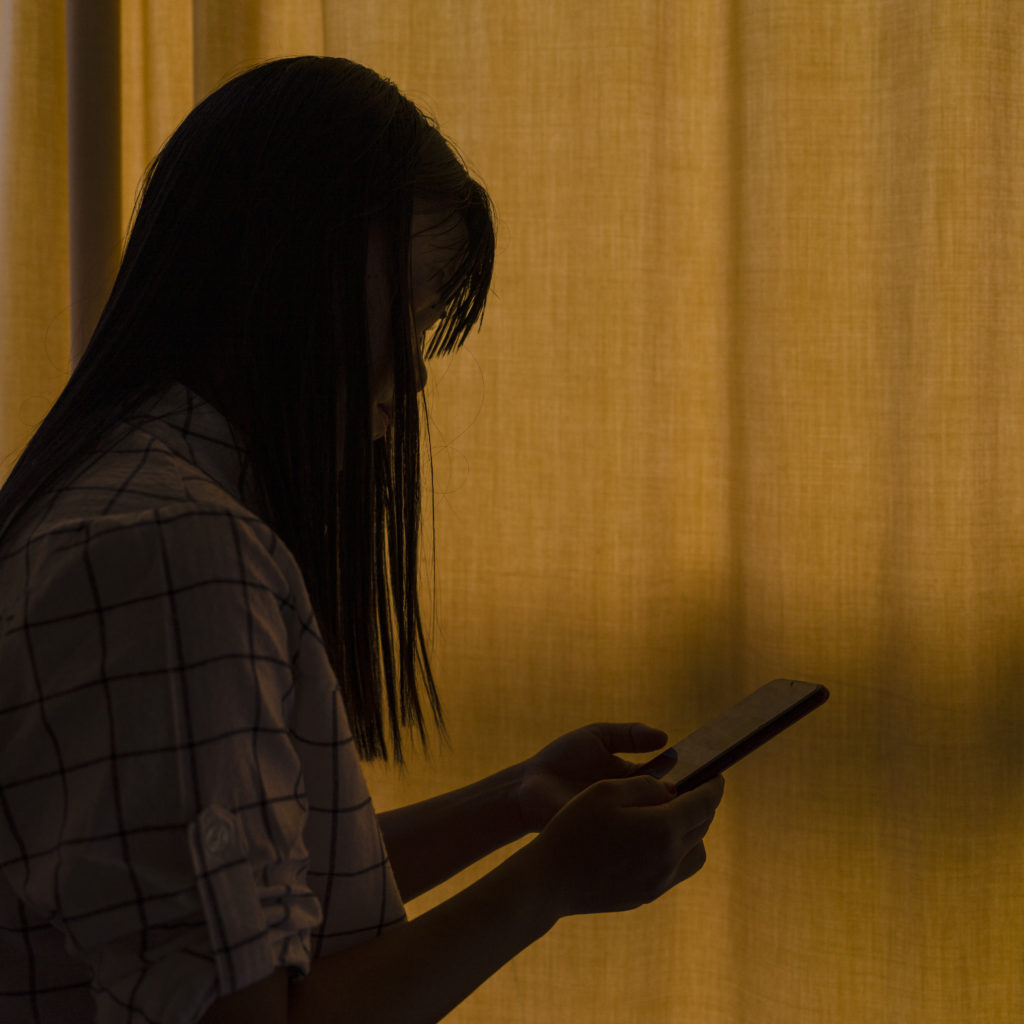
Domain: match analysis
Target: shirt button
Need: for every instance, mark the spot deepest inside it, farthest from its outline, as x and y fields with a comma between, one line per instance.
x=216, y=836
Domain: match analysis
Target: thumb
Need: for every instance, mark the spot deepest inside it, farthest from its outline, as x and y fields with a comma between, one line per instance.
x=640, y=791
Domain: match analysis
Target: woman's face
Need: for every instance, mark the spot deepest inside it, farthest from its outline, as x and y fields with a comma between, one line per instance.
x=433, y=246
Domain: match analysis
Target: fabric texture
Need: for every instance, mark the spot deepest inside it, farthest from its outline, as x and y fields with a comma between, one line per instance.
x=747, y=402
x=184, y=810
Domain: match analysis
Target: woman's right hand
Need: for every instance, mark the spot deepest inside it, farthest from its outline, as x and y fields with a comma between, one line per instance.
x=616, y=845
x=622, y=843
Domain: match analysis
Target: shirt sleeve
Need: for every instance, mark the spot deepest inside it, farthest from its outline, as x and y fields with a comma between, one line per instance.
x=155, y=804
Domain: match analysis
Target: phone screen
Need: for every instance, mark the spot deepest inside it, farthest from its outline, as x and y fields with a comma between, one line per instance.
x=717, y=744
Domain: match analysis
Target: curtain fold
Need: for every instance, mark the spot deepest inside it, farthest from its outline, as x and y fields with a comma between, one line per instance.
x=747, y=403
x=34, y=276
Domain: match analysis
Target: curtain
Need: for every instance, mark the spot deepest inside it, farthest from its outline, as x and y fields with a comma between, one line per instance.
x=746, y=404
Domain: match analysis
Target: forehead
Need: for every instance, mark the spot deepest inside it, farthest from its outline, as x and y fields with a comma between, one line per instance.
x=434, y=247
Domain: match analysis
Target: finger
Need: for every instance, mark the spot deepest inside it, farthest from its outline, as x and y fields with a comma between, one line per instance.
x=636, y=791
x=701, y=803
x=691, y=863
x=630, y=737
x=693, y=860
x=695, y=836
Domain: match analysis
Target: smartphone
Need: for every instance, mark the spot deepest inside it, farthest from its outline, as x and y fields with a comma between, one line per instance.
x=717, y=744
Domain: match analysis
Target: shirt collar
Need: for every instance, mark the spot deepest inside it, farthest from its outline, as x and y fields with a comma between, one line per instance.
x=197, y=431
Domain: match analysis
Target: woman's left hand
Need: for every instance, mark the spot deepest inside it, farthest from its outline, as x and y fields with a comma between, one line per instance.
x=567, y=766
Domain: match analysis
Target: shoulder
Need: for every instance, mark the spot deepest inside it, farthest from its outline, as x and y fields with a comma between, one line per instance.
x=176, y=547
x=143, y=594
x=139, y=468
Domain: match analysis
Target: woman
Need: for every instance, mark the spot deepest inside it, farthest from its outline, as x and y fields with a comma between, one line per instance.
x=208, y=584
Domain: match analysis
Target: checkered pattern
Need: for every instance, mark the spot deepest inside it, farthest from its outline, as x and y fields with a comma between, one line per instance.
x=181, y=804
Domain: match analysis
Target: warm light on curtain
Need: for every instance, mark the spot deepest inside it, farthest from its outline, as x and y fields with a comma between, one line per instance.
x=748, y=402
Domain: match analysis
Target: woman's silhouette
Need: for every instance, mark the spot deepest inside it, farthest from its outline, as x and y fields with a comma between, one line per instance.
x=208, y=566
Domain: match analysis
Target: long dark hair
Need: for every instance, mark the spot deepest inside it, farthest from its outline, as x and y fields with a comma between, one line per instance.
x=248, y=249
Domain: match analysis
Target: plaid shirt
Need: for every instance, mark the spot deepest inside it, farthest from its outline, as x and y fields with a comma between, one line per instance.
x=182, y=809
